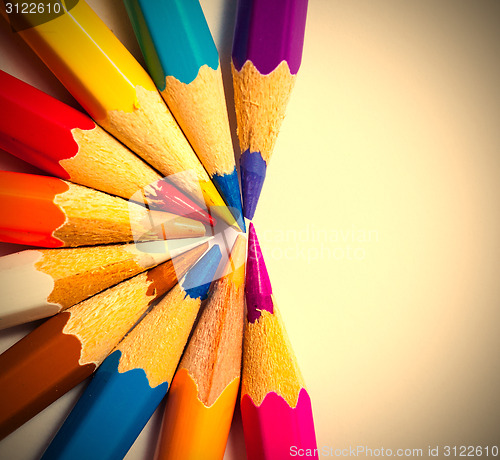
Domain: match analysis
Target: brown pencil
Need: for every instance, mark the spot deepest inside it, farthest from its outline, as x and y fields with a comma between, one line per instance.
x=67, y=348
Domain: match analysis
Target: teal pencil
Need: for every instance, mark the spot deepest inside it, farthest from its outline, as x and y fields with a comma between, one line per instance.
x=182, y=59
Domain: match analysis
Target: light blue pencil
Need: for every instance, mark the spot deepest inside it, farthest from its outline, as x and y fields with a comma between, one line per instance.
x=184, y=63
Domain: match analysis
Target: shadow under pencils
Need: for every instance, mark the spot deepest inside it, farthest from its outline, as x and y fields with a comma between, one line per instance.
x=225, y=41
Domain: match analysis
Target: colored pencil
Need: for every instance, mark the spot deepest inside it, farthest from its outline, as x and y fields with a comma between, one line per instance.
x=50, y=212
x=68, y=347
x=275, y=406
x=68, y=144
x=119, y=95
x=267, y=51
x=203, y=394
x=134, y=378
x=184, y=63
x=61, y=278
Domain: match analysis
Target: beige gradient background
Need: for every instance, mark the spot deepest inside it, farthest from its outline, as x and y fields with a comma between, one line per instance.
x=379, y=221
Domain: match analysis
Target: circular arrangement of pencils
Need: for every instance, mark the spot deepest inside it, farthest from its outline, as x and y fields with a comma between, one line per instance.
x=130, y=274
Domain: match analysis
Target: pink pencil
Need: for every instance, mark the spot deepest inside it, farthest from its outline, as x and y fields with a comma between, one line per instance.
x=275, y=406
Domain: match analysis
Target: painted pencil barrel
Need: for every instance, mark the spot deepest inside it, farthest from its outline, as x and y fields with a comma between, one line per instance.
x=268, y=32
x=276, y=431
x=29, y=215
x=38, y=128
x=36, y=371
x=190, y=429
x=174, y=38
x=120, y=402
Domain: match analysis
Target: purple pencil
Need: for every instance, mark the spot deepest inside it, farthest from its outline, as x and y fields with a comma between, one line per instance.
x=267, y=51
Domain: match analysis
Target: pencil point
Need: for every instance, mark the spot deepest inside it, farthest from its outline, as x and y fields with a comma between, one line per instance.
x=253, y=172
x=229, y=188
x=197, y=281
x=235, y=265
x=258, y=289
x=215, y=204
x=169, y=198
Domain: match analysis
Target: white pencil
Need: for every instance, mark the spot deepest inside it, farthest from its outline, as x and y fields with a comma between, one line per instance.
x=40, y=283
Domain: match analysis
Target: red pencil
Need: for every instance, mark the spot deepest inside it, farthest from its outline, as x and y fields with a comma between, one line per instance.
x=68, y=144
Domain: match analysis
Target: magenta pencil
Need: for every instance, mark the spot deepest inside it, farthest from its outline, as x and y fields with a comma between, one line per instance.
x=275, y=406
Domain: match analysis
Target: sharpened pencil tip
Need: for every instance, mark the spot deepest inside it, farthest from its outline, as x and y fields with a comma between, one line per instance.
x=165, y=196
x=229, y=188
x=258, y=289
x=253, y=173
x=197, y=281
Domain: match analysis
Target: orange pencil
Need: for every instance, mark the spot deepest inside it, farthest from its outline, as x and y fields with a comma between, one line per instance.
x=50, y=212
x=134, y=378
x=203, y=394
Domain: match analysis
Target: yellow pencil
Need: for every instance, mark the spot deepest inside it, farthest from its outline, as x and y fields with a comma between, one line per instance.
x=184, y=63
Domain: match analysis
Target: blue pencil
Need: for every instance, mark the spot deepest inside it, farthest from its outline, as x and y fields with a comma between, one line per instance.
x=135, y=377
x=182, y=59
